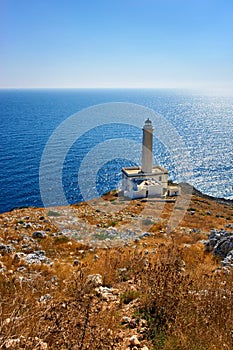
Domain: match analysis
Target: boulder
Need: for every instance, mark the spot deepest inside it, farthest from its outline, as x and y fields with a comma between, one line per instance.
x=220, y=242
x=76, y=262
x=107, y=294
x=228, y=260
x=37, y=257
x=6, y=249
x=39, y=234
x=224, y=246
x=95, y=280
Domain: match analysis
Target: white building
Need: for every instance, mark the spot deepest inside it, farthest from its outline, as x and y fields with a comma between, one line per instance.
x=147, y=180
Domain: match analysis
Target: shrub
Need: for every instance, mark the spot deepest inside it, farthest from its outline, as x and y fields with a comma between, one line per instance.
x=184, y=311
x=53, y=213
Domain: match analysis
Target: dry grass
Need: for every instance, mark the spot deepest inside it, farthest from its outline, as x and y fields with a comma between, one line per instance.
x=70, y=320
x=168, y=279
x=185, y=304
x=187, y=311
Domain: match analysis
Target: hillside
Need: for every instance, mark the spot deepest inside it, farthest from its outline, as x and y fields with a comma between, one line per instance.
x=108, y=274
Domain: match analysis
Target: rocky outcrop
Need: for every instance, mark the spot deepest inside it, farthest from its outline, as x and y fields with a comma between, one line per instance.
x=37, y=257
x=220, y=242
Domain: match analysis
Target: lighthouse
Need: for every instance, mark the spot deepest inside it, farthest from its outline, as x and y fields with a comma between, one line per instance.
x=147, y=180
x=147, y=147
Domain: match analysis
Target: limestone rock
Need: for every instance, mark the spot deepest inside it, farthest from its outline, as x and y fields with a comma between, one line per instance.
x=228, y=260
x=125, y=320
x=6, y=249
x=44, y=298
x=145, y=234
x=19, y=257
x=2, y=267
x=220, y=242
x=224, y=246
x=134, y=341
x=76, y=262
x=108, y=294
x=37, y=257
x=95, y=280
x=14, y=343
x=39, y=234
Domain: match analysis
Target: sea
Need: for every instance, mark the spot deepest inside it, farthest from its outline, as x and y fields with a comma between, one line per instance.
x=37, y=158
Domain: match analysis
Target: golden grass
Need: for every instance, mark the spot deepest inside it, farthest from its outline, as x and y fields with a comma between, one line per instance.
x=188, y=306
x=185, y=304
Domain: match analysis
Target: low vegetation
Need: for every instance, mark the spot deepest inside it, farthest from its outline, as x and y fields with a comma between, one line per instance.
x=167, y=281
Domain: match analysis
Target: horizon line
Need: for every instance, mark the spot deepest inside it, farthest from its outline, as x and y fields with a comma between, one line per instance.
x=209, y=91
x=91, y=87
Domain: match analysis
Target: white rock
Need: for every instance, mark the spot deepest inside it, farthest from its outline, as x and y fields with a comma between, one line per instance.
x=96, y=280
x=45, y=298
x=126, y=319
x=108, y=294
x=134, y=340
x=12, y=343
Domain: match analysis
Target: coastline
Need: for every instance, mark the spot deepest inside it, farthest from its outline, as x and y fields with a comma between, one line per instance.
x=195, y=191
x=186, y=187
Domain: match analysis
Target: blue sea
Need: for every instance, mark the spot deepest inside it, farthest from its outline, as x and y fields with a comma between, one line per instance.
x=30, y=118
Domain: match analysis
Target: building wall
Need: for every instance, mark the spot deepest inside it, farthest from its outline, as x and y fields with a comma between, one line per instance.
x=174, y=191
x=155, y=191
x=164, y=180
x=131, y=189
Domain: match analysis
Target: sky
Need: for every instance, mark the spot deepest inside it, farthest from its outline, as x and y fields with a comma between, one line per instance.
x=116, y=44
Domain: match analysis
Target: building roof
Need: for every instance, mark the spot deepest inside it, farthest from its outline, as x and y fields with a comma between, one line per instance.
x=173, y=187
x=136, y=171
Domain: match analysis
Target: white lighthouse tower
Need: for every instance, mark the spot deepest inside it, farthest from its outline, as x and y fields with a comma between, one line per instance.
x=147, y=147
x=147, y=180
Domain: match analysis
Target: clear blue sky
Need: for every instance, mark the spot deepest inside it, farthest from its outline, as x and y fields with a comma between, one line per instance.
x=116, y=43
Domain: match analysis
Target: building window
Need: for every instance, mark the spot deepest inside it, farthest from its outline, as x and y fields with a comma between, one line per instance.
x=160, y=178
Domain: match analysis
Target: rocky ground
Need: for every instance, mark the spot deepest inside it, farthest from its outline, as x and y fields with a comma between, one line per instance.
x=105, y=247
